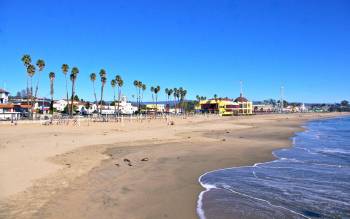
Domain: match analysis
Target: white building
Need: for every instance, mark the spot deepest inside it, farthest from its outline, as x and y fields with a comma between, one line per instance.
x=4, y=96
x=124, y=107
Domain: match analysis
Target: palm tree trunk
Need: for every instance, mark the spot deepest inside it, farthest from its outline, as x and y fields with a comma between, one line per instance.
x=101, y=99
x=72, y=98
x=156, y=104
x=28, y=94
x=31, y=97
x=51, y=92
x=139, y=101
x=114, y=102
x=118, y=99
x=93, y=84
x=67, y=94
x=37, y=85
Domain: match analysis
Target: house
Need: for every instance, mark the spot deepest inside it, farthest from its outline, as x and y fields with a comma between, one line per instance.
x=245, y=107
x=155, y=107
x=221, y=106
x=4, y=96
x=7, y=112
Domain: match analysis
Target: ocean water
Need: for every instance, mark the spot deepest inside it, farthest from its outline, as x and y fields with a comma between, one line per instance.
x=311, y=179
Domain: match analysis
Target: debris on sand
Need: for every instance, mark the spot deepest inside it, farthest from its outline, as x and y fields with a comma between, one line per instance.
x=127, y=160
x=223, y=139
x=145, y=159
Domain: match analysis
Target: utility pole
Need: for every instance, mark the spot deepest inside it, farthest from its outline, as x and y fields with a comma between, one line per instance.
x=281, y=99
x=241, y=84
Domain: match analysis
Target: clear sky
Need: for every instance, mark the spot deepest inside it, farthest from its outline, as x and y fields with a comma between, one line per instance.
x=206, y=47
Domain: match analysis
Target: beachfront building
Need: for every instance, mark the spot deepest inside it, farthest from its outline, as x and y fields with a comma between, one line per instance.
x=7, y=112
x=245, y=107
x=4, y=96
x=160, y=108
x=221, y=106
x=263, y=108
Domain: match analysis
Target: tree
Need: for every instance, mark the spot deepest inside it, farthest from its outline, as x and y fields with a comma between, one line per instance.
x=26, y=60
x=143, y=87
x=175, y=95
x=138, y=86
x=65, y=69
x=168, y=93
x=52, y=79
x=152, y=91
x=93, y=79
x=103, y=76
x=120, y=83
x=113, y=84
x=73, y=78
x=344, y=103
x=41, y=65
x=31, y=72
x=215, y=97
x=156, y=90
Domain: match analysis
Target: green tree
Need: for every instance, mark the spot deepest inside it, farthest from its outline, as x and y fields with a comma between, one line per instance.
x=156, y=90
x=65, y=69
x=52, y=79
x=113, y=84
x=120, y=84
x=344, y=103
x=93, y=79
x=73, y=78
x=41, y=65
x=103, y=76
x=143, y=87
x=27, y=60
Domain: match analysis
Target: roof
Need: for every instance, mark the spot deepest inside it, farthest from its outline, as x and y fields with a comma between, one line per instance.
x=241, y=99
x=6, y=106
x=4, y=91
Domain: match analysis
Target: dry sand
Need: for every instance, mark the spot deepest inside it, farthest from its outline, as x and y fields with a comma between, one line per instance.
x=80, y=172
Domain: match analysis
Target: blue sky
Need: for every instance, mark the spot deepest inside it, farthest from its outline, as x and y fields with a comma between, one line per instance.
x=206, y=47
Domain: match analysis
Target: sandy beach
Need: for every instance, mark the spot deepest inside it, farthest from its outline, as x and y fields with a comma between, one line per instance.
x=132, y=169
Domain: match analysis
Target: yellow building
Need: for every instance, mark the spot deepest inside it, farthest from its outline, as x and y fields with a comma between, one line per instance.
x=245, y=106
x=223, y=107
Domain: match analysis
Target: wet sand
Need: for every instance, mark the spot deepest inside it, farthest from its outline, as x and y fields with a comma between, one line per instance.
x=92, y=178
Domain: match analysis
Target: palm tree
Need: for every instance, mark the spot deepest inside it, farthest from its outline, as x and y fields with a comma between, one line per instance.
x=168, y=93
x=103, y=77
x=41, y=65
x=31, y=72
x=156, y=90
x=93, y=79
x=52, y=78
x=152, y=91
x=65, y=69
x=113, y=84
x=26, y=59
x=175, y=95
x=73, y=78
x=143, y=87
x=120, y=83
x=138, y=86
x=166, y=90
x=182, y=98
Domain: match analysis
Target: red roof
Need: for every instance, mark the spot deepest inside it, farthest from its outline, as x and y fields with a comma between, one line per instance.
x=6, y=106
x=241, y=99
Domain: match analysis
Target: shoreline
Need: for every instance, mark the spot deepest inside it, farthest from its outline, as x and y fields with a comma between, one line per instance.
x=209, y=187
x=182, y=152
